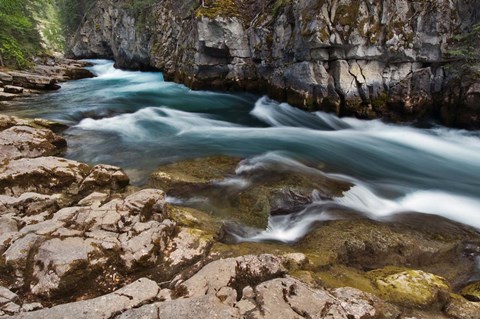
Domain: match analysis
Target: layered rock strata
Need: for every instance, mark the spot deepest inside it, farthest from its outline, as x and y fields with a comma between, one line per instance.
x=365, y=58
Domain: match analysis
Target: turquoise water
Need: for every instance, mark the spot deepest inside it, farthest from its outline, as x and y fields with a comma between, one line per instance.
x=138, y=121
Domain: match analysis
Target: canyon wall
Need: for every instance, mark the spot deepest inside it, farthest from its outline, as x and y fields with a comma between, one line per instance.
x=365, y=58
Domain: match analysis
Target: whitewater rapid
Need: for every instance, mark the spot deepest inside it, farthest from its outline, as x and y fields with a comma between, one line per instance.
x=137, y=120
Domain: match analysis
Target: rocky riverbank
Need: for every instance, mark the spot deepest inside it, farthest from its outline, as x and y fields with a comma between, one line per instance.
x=79, y=242
x=46, y=75
x=369, y=59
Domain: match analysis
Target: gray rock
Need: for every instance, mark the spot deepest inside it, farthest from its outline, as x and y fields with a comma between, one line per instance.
x=145, y=246
x=287, y=298
x=7, y=96
x=28, y=204
x=12, y=89
x=189, y=244
x=340, y=56
x=24, y=141
x=133, y=295
x=32, y=81
x=6, y=296
x=5, y=77
x=16, y=255
x=9, y=121
x=44, y=175
x=63, y=263
x=95, y=199
x=31, y=307
x=104, y=176
x=233, y=272
x=200, y=307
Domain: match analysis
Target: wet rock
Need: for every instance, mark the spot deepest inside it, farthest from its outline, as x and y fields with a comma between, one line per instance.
x=430, y=244
x=32, y=81
x=413, y=288
x=12, y=89
x=50, y=125
x=133, y=295
x=193, y=172
x=77, y=73
x=7, y=96
x=254, y=192
x=472, y=291
x=44, y=175
x=24, y=141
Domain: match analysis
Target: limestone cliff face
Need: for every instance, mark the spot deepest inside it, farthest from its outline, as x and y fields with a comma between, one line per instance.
x=367, y=58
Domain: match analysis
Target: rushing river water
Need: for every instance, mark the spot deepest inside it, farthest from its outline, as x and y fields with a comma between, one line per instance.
x=137, y=121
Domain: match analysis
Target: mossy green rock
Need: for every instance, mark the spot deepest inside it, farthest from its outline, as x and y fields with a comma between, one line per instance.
x=252, y=199
x=472, y=291
x=413, y=288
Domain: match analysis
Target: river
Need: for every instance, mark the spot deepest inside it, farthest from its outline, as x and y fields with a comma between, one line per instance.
x=137, y=121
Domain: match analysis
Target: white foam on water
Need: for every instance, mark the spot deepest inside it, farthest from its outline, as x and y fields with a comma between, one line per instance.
x=134, y=125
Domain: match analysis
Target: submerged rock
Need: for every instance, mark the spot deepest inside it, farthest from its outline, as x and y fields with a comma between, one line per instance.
x=243, y=196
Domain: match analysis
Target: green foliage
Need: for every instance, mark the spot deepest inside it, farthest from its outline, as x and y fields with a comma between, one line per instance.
x=47, y=17
x=19, y=38
x=215, y=8
x=465, y=46
x=72, y=13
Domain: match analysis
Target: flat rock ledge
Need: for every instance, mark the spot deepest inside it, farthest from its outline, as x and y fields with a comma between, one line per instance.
x=46, y=75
